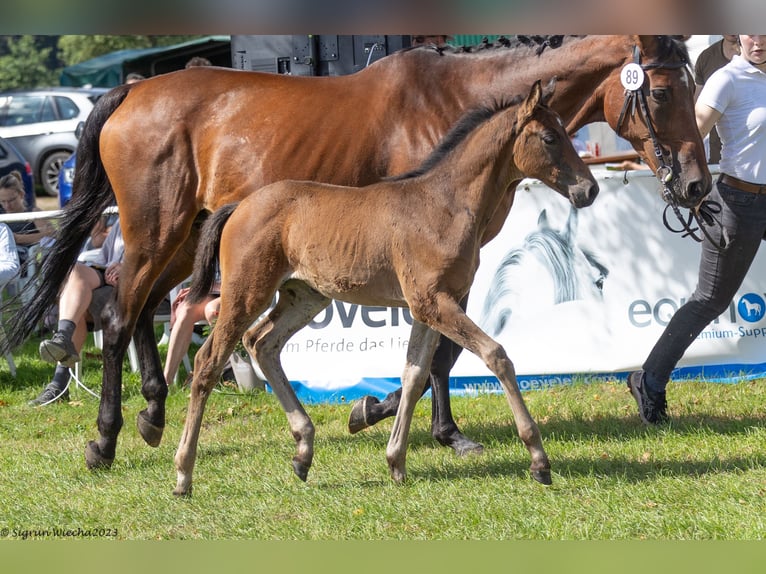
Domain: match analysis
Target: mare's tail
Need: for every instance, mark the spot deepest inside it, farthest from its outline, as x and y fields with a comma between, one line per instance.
x=206, y=259
x=91, y=194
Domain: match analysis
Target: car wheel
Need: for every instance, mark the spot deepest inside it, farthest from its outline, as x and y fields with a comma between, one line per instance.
x=49, y=171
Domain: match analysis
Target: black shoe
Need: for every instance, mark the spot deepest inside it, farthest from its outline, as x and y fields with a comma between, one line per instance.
x=59, y=349
x=50, y=394
x=652, y=407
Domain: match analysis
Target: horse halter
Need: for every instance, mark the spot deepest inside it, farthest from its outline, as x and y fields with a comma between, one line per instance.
x=706, y=211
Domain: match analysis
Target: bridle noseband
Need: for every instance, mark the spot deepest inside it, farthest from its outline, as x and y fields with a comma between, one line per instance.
x=705, y=213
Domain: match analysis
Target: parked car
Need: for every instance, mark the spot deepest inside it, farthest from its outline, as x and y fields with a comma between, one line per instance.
x=41, y=123
x=12, y=160
x=66, y=177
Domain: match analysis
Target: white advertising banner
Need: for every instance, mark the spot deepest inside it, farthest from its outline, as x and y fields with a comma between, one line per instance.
x=569, y=294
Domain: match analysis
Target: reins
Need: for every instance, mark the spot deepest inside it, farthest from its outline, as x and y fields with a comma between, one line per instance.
x=706, y=212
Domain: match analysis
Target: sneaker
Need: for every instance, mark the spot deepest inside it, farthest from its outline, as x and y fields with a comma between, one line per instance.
x=50, y=394
x=652, y=407
x=59, y=349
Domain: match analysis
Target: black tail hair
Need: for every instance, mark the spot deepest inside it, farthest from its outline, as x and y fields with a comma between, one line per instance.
x=91, y=194
x=206, y=258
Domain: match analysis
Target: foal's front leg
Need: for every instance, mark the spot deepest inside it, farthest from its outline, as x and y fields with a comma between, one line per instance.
x=420, y=350
x=452, y=321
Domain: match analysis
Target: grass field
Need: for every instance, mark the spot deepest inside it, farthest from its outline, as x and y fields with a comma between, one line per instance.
x=701, y=477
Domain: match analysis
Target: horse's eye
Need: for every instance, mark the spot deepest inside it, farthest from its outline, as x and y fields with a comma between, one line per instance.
x=660, y=95
x=549, y=138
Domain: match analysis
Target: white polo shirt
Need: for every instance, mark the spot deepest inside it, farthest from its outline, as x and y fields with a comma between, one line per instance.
x=738, y=91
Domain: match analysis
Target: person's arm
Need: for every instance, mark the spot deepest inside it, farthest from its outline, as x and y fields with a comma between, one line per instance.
x=9, y=257
x=707, y=117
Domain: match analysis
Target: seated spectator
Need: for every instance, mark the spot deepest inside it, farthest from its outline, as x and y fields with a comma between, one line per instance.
x=184, y=316
x=25, y=233
x=84, y=294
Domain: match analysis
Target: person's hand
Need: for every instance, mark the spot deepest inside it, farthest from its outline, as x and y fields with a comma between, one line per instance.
x=112, y=274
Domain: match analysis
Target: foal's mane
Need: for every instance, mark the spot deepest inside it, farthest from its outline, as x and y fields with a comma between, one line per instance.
x=459, y=132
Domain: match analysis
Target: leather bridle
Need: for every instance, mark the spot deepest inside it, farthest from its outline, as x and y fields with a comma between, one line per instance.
x=705, y=213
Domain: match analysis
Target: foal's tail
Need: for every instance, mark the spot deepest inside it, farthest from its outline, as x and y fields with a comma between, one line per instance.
x=206, y=259
x=91, y=194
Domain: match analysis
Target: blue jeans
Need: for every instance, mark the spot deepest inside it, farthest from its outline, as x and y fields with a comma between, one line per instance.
x=721, y=273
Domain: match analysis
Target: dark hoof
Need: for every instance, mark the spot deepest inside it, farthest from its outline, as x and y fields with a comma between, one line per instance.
x=301, y=470
x=152, y=434
x=182, y=493
x=542, y=476
x=357, y=420
x=94, y=459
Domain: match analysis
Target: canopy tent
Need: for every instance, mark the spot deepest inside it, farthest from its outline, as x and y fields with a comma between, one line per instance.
x=110, y=69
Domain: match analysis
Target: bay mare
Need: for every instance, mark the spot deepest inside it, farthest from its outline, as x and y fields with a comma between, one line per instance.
x=411, y=241
x=175, y=147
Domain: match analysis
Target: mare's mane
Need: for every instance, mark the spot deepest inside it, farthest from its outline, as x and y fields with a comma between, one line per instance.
x=669, y=46
x=470, y=121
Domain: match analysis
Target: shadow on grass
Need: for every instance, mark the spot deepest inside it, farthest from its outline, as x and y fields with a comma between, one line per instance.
x=603, y=430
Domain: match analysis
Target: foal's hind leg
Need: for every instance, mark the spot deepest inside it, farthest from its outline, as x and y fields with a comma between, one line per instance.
x=452, y=321
x=297, y=305
x=208, y=365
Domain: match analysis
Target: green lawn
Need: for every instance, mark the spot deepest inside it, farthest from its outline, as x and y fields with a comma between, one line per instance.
x=701, y=477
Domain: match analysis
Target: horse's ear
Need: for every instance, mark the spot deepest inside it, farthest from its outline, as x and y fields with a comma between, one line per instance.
x=533, y=99
x=648, y=45
x=542, y=220
x=570, y=229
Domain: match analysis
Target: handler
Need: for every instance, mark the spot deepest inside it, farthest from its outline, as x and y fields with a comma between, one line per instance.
x=734, y=100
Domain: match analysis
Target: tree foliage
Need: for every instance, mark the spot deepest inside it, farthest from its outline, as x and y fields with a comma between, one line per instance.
x=32, y=61
x=26, y=64
x=76, y=49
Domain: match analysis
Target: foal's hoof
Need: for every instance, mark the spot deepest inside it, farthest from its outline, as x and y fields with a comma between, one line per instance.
x=301, y=469
x=542, y=476
x=94, y=459
x=179, y=492
x=357, y=420
x=152, y=434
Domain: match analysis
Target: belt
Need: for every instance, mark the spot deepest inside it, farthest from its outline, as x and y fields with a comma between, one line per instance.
x=742, y=185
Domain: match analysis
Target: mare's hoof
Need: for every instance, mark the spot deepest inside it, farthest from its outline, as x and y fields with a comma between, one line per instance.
x=357, y=420
x=94, y=459
x=152, y=434
x=301, y=470
x=542, y=476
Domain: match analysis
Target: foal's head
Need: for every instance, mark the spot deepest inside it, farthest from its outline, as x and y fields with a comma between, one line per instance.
x=543, y=150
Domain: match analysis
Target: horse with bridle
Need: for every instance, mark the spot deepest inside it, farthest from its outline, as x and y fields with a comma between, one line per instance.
x=175, y=147
x=411, y=241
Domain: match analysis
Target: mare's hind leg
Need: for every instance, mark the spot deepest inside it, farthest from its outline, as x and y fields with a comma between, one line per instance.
x=420, y=351
x=368, y=410
x=297, y=305
x=100, y=453
x=154, y=388
x=452, y=321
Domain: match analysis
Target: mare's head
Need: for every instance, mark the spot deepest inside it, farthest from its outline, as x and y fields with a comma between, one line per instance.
x=662, y=76
x=543, y=150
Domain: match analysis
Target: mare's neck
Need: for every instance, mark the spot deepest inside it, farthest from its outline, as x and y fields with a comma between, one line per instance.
x=581, y=67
